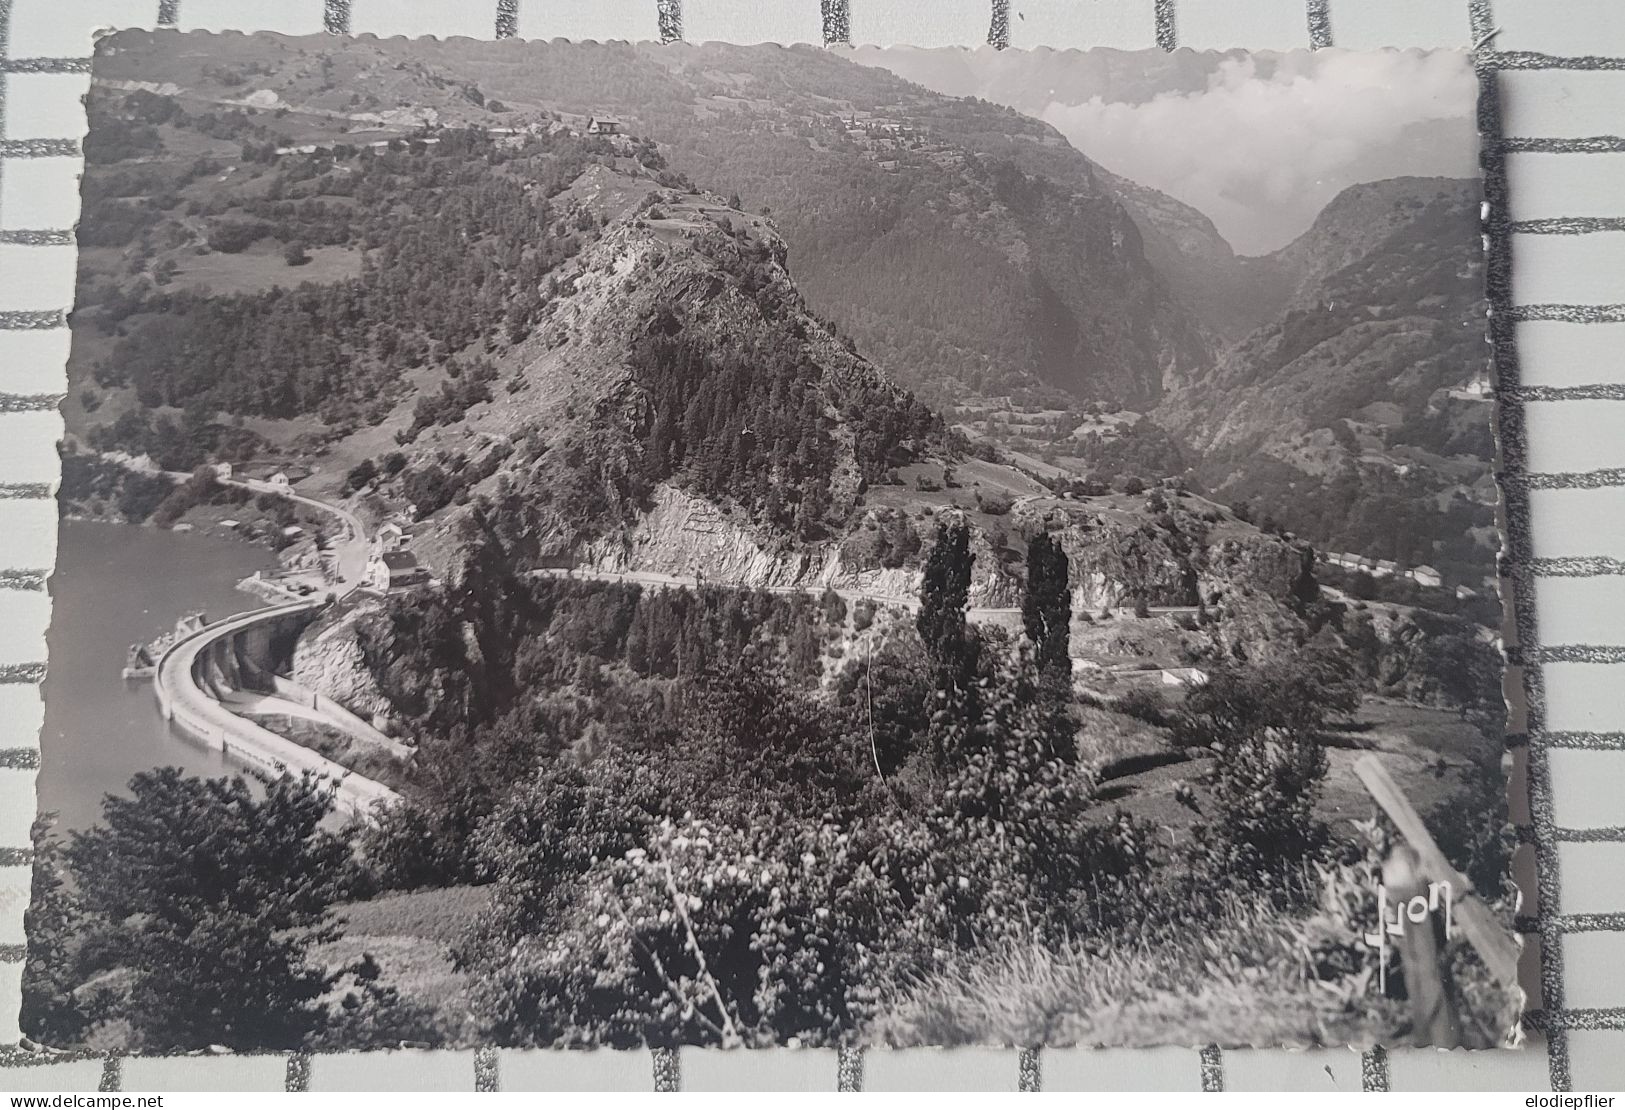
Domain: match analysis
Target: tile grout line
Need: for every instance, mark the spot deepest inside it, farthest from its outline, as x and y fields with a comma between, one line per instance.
x=336, y=17
x=1167, y=30
x=1320, y=23
x=1374, y=1073
x=1535, y=144
x=849, y=1070
x=836, y=18
x=998, y=28
x=666, y=1065
x=45, y=65
x=1525, y=60
x=1029, y=1070
x=296, y=1078
x=669, y=19
x=1556, y=394
x=1568, y=225
x=112, y=1080
x=1211, y=1059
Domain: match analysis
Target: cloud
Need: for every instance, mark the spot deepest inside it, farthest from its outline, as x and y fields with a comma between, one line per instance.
x=1262, y=148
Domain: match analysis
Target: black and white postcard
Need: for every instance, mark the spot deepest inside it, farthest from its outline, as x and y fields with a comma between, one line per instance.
x=606, y=545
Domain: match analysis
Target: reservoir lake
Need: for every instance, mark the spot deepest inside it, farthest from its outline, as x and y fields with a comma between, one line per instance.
x=115, y=585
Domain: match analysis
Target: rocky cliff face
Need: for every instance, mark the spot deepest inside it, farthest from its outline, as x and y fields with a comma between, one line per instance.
x=685, y=536
x=1178, y=556
x=327, y=659
x=1228, y=294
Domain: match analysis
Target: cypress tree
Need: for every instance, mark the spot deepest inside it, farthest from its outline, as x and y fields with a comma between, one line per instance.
x=944, y=592
x=1046, y=608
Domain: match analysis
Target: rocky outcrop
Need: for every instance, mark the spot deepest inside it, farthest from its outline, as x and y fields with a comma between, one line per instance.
x=1172, y=558
x=688, y=536
x=328, y=660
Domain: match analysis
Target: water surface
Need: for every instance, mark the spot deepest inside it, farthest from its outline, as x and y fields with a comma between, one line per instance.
x=118, y=584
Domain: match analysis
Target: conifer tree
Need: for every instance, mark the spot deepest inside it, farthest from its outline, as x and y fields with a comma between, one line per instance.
x=1046, y=608
x=213, y=899
x=944, y=592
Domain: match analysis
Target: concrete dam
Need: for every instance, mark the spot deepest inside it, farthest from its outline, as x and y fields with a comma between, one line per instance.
x=203, y=675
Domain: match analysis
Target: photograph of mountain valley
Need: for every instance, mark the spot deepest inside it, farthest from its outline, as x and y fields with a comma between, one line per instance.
x=617, y=545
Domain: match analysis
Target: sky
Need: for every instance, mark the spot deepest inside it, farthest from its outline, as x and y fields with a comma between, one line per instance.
x=1259, y=144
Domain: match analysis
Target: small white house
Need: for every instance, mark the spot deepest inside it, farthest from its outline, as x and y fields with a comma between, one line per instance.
x=222, y=471
x=280, y=481
x=394, y=570
x=604, y=125
x=1384, y=568
x=293, y=531
x=392, y=537
x=1425, y=575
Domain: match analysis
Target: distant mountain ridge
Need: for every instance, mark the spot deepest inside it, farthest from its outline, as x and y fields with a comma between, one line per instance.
x=1393, y=262
x=1065, y=76
x=973, y=250
x=1344, y=412
x=969, y=250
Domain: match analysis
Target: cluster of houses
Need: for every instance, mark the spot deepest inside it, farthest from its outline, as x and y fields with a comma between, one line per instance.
x=603, y=125
x=882, y=139
x=1422, y=575
x=391, y=566
x=374, y=144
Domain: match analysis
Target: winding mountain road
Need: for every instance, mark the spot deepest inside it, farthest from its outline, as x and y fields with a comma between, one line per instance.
x=350, y=553
x=191, y=701
x=911, y=603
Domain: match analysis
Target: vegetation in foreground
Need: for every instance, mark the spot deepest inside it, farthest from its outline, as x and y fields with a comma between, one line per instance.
x=696, y=835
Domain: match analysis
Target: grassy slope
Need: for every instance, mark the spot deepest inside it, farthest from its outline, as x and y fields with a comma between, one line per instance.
x=1431, y=751
x=1265, y=975
x=410, y=935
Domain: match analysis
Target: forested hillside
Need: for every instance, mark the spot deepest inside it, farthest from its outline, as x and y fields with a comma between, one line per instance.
x=551, y=319
x=965, y=247
x=968, y=250
x=1337, y=417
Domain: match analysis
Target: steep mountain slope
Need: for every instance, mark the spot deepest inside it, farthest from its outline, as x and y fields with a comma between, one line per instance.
x=548, y=351
x=965, y=246
x=1121, y=107
x=678, y=356
x=1339, y=414
x=1228, y=293
x=1385, y=305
